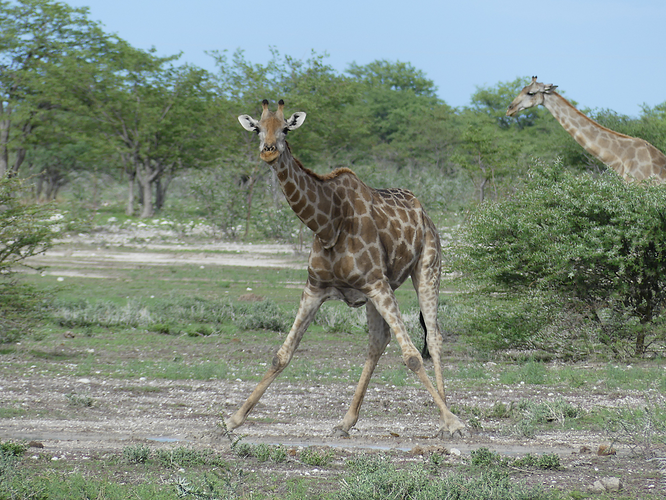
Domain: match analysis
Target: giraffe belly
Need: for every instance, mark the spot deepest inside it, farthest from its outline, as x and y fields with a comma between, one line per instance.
x=352, y=297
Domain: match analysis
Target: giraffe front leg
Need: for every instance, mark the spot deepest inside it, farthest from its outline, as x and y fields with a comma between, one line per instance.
x=379, y=337
x=311, y=299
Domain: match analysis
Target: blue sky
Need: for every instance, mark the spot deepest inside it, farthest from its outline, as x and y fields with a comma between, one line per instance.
x=602, y=54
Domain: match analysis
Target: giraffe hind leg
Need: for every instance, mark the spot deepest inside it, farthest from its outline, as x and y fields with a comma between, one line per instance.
x=425, y=353
x=426, y=284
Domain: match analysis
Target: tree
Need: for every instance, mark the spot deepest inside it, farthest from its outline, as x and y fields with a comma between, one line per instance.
x=153, y=115
x=594, y=241
x=36, y=38
x=493, y=102
x=483, y=153
x=394, y=93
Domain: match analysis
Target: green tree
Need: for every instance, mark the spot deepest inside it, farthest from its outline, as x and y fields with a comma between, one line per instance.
x=36, y=38
x=406, y=122
x=493, y=102
x=155, y=116
x=597, y=242
x=484, y=153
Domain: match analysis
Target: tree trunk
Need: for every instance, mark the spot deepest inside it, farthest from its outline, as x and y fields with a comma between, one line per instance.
x=161, y=186
x=146, y=190
x=248, y=215
x=130, y=170
x=129, y=209
x=640, y=344
x=4, y=140
x=4, y=150
x=20, y=156
x=147, y=175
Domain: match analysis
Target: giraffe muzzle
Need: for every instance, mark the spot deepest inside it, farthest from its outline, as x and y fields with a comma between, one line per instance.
x=269, y=154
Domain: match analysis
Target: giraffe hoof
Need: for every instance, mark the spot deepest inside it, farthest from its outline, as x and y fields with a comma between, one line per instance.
x=339, y=432
x=457, y=429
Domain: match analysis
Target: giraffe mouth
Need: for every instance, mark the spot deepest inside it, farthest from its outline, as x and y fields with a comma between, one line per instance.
x=270, y=157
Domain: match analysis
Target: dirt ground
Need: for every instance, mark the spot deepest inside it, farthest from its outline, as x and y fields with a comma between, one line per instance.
x=400, y=420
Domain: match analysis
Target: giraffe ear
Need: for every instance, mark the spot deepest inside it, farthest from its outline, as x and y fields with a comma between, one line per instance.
x=249, y=123
x=548, y=88
x=295, y=120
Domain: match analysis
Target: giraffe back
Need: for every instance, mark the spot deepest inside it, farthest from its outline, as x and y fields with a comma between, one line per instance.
x=383, y=233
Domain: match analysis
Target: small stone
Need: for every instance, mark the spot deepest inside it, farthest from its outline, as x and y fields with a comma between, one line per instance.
x=597, y=487
x=417, y=450
x=455, y=452
x=612, y=483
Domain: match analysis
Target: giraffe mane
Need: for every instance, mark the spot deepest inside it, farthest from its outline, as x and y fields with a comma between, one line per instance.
x=612, y=132
x=322, y=177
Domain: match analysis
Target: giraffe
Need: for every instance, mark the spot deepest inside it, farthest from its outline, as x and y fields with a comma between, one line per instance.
x=367, y=242
x=632, y=158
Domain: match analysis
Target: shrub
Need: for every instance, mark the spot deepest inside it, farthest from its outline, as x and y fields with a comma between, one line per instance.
x=262, y=452
x=264, y=315
x=534, y=414
x=182, y=456
x=136, y=454
x=26, y=230
x=594, y=243
x=12, y=448
x=316, y=458
x=377, y=478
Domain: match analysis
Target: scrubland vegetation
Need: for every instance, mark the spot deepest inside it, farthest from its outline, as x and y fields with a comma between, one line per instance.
x=551, y=257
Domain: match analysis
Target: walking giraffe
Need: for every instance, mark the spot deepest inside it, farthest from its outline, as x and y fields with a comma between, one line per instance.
x=632, y=158
x=367, y=242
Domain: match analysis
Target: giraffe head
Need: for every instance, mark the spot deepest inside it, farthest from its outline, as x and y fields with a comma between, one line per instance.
x=530, y=96
x=272, y=129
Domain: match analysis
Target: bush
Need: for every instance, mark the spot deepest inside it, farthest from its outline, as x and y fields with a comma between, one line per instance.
x=377, y=478
x=137, y=454
x=316, y=458
x=264, y=315
x=534, y=414
x=262, y=452
x=182, y=456
x=26, y=230
x=596, y=244
x=22, y=308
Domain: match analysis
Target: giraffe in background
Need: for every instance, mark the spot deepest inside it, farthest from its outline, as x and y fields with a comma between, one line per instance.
x=367, y=242
x=632, y=158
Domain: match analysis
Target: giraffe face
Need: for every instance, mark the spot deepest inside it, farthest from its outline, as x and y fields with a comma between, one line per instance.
x=272, y=130
x=530, y=96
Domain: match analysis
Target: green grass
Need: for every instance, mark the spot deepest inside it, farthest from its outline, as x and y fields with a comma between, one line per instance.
x=200, y=331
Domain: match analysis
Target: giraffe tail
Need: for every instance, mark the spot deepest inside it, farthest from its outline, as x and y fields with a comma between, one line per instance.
x=425, y=353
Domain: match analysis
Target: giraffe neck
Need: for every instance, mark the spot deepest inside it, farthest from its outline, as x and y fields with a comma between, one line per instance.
x=309, y=195
x=596, y=139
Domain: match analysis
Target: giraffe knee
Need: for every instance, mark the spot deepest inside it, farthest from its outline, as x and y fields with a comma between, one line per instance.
x=414, y=363
x=278, y=363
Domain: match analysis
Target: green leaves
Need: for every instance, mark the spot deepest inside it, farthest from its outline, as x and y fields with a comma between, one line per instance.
x=599, y=241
